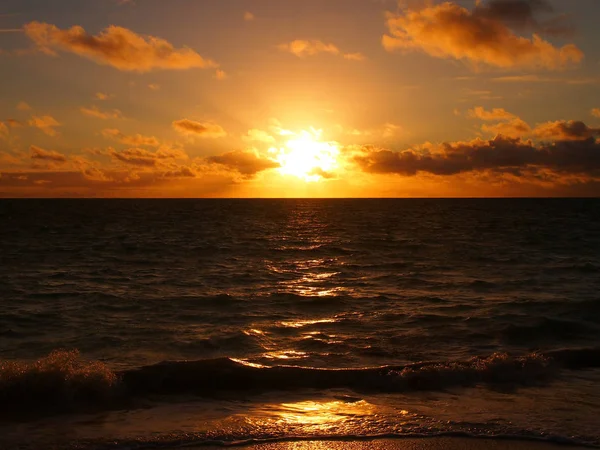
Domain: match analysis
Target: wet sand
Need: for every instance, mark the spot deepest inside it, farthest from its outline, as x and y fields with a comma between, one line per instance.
x=411, y=444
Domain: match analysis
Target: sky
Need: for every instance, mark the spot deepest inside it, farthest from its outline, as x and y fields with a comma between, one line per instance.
x=312, y=98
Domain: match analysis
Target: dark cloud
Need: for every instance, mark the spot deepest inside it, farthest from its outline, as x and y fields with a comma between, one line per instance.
x=521, y=14
x=500, y=154
x=247, y=163
x=566, y=130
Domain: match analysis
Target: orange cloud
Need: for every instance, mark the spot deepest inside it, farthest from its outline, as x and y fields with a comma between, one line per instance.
x=508, y=124
x=135, y=140
x=94, y=111
x=513, y=128
x=256, y=135
x=596, y=112
x=116, y=46
x=448, y=30
x=13, y=123
x=248, y=16
x=39, y=153
x=180, y=172
x=355, y=56
x=303, y=48
x=220, y=74
x=3, y=131
x=46, y=124
x=199, y=129
x=495, y=114
x=22, y=106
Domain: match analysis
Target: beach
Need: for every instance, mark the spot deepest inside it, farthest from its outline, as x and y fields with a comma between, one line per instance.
x=412, y=444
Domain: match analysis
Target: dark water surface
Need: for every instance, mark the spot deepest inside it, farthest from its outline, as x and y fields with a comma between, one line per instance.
x=295, y=318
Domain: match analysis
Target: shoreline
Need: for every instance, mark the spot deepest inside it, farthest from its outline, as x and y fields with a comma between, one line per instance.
x=409, y=443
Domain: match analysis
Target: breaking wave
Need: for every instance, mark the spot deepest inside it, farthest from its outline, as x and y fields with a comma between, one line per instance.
x=64, y=381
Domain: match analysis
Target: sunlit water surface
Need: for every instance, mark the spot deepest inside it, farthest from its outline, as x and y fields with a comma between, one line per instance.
x=317, y=284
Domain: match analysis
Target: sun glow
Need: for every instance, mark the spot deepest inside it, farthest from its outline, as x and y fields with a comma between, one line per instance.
x=306, y=157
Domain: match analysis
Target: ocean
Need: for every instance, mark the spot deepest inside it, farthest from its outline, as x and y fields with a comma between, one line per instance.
x=129, y=324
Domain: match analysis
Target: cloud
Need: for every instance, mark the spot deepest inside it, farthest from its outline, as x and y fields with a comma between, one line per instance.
x=355, y=56
x=13, y=123
x=154, y=86
x=4, y=132
x=247, y=163
x=386, y=131
x=566, y=130
x=255, y=135
x=180, y=172
x=118, y=47
x=539, y=79
x=520, y=14
x=495, y=114
x=145, y=158
x=248, y=16
x=97, y=113
x=22, y=106
x=38, y=153
x=220, y=74
x=135, y=140
x=513, y=128
x=501, y=154
x=596, y=112
x=448, y=30
x=89, y=170
x=303, y=48
x=199, y=129
x=46, y=124
x=508, y=124
x=102, y=96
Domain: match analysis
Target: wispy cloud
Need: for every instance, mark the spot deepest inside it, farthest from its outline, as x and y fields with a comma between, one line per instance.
x=94, y=111
x=116, y=46
x=303, y=48
x=199, y=129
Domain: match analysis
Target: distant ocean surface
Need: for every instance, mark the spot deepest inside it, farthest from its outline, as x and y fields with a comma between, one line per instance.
x=157, y=323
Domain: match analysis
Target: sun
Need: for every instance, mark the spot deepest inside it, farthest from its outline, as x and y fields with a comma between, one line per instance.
x=306, y=157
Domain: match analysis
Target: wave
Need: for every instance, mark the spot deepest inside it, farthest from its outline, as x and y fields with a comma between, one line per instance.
x=64, y=381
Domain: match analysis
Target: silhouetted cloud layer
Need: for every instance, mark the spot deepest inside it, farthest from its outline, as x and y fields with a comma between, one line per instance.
x=501, y=154
x=116, y=46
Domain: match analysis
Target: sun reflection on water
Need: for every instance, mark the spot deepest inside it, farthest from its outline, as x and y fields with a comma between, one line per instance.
x=304, y=323
x=318, y=413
